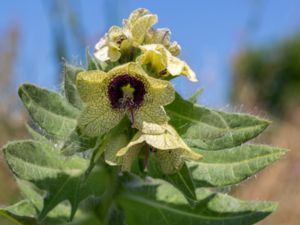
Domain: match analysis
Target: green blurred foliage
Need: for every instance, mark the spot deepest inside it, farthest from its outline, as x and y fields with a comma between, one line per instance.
x=269, y=76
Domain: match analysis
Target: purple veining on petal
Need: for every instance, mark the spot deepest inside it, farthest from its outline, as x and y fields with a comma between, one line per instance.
x=116, y=95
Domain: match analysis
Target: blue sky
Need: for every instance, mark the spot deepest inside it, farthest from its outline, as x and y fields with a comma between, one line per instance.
x=210, y=33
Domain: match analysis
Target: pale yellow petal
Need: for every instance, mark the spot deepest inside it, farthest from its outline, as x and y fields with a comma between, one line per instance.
x=174, y=48
x=90, y=85
x=98, y=119
x=162, y=36
x=102, y=42
x=190, y=74
x=163, y=91
x=141, y=27
x=172, y=157
x=138, y=25
x=167, y=140
x=154, y=57
x=102, y=54
x=135, y=15
x=152, y=128
x=136, y=140
x=108, y=53
x=171, y=149
x=162, y=60
x=115, y=33
x=151, y=114
x=158, y=36
x=175, y=65
x=132, y=69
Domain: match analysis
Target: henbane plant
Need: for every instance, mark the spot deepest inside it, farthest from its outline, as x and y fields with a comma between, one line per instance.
x=120, y=146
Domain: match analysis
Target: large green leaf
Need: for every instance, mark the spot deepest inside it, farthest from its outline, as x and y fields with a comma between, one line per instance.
x=182, y=179
x=38, y=135
x=63, y=178
x=70, y=89
x=232, y=165
x=60, y=214
x=209, y=129
x=22, y=212
x=78, y=143
x=26, y=211
x=87, y=220
x=49, y=110
x=109, y=142
x=144, y=201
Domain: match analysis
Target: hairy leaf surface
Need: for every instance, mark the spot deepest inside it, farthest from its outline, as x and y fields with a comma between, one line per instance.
x=167, y=205
x=62, y=177
x=49, y=110
x=232, y=165
x=210, y=129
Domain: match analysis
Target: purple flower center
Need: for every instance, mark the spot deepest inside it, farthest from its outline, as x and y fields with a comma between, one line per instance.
x=126, y=92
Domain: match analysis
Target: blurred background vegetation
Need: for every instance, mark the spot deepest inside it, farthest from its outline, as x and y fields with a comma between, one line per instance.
x=264, y=79
x=268, y=78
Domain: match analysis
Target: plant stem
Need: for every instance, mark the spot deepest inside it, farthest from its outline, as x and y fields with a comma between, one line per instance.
x=103, y=209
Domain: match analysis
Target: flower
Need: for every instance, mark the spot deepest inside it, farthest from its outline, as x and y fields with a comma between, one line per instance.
x=124, y=90
x=163, y=62
x=120, y=40
x=138, y=24
x=170, y=149
x=162, y=36
x=111, y=46
x=137, y=30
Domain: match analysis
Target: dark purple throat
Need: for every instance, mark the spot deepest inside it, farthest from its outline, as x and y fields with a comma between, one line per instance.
x=119, y=99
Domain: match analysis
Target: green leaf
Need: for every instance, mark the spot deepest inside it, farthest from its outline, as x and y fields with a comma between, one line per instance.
x=36, y=135
x=194, y=98
x=26, y=211
x=212, y=129
x=143, y=201
x=70, y=89
x=116, y=216
x=87, y=220
x=59, y=215
x=22, y=212
x=233, y=165
x=30, y=193
x=78, y=143
x=63, y=178
x=116, y=139
x=182, y=180
x=49, y=110
x=91, y=64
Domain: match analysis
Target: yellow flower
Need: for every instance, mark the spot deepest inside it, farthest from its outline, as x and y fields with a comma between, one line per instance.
x=170, y=149
x=137, y=30
x=112, y=45
x=124, y=90
x=138, y=24
x=162, y=36
x=163, y=62
x=120, y=40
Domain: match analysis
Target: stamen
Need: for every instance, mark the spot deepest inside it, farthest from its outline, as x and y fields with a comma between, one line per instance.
x=163, y=72
x=131, y=115
x=146, y=159
x=120, y=40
